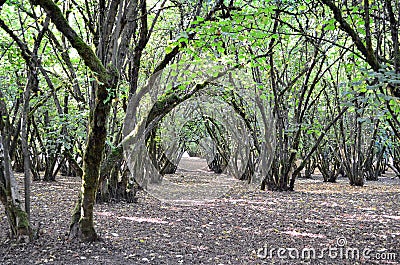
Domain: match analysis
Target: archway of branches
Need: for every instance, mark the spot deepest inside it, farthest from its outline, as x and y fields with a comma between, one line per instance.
x=223, y=121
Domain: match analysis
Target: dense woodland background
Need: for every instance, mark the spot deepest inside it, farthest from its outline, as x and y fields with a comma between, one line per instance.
x=325, y=78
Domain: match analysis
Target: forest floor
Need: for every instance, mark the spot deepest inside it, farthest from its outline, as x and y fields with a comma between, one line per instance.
x=338, y=223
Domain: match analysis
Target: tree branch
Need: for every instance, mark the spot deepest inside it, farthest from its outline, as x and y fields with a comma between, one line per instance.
x=86, y=53
x=370, y=57
x=308, y=156
x=169, y=56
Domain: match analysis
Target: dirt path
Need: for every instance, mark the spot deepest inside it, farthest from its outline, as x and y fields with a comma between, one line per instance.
x=192, y=183
x=240, y=228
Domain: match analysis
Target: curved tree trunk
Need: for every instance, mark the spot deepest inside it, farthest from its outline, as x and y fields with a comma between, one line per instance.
x=82, y=226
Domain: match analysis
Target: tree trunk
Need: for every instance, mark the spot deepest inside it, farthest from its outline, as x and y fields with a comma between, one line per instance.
x=32, y=82
x=84, y=227
x=17, y=218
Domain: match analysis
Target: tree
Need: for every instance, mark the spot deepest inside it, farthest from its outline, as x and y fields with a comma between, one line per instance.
x=82, y=225
x=360, y=32
x=17, y=218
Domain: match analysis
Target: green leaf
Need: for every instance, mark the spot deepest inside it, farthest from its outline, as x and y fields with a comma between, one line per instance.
x=302, y=8
x=168, y=49
x=330, y=27
x=220, y=49
x=363, y=89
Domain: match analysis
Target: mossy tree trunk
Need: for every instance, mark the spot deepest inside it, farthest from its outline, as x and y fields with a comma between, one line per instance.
x=82, y=226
